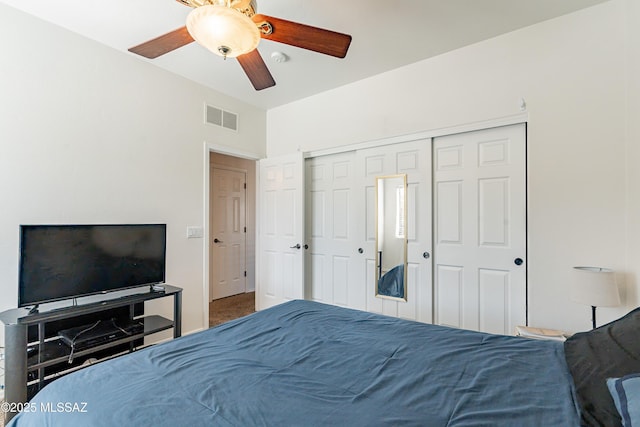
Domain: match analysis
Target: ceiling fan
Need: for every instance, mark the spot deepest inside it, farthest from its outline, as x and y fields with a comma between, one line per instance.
x=232, y=28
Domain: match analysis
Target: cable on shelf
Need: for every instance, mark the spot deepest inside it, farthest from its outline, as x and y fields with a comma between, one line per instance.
x=73, y=341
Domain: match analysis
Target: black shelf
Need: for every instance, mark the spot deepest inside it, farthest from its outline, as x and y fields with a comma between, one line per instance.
x=56, y=371
x=26, y=374
x=22, y=315
x=55, y=351
x=51, y=372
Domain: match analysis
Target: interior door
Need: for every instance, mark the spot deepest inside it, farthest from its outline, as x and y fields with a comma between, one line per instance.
x=228, y=233
x=480, y=229
x=281, y=229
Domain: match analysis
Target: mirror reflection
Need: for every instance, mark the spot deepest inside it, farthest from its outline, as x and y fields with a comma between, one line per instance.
x=391, y=237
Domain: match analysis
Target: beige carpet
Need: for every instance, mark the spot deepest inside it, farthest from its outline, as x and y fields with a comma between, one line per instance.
x=225, y=309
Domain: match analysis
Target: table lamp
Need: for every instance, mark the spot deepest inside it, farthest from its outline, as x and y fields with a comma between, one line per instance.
x=595, y=286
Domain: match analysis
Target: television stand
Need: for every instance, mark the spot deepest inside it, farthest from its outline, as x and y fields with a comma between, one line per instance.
x=29, y=366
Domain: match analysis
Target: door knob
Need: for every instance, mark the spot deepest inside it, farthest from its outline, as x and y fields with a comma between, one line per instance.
x=360, y=250
x=518, y=261
x=297, y=246
x=216, y=240
x=425, y=255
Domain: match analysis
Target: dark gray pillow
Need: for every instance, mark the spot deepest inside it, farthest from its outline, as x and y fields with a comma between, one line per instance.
x=610, y=351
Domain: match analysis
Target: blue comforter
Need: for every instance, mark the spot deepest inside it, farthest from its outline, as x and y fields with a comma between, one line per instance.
x=391, y=283
x=308, y=364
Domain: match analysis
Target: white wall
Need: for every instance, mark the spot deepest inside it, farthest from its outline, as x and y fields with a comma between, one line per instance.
x=571, y=72
x=633, y=150
x=92, y=135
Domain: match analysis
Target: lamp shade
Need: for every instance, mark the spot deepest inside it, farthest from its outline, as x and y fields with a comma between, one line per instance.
x=224, y=31
x=595, y=286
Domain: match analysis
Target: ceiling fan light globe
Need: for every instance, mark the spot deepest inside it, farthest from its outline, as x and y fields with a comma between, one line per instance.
x=213, y=26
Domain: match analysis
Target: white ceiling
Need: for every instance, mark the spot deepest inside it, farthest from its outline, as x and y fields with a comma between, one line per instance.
x=386, y=35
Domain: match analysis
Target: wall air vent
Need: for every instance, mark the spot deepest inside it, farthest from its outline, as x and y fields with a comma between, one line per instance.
x=219, y=117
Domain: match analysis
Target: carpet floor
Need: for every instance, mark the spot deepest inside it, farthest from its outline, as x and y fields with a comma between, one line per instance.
x=225, y=309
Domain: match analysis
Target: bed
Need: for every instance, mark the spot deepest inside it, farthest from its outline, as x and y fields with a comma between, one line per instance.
x=304, y=363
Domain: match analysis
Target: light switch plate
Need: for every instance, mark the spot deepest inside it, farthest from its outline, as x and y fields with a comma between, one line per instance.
x=195, y=232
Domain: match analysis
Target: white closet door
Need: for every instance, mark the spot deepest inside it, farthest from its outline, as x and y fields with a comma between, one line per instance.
x=414, y=159
x=331, y=217
x=480, y=229
x=281, y=229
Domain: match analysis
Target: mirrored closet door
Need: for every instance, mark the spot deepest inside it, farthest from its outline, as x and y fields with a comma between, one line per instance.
x=340, y=263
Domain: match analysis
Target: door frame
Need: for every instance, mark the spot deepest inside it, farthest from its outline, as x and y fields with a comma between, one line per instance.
x=228, y=151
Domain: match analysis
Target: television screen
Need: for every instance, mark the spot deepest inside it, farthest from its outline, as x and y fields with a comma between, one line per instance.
x=67, y=261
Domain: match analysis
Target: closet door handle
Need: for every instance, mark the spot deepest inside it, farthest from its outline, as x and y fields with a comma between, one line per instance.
x=297, y=246
x=216, y=240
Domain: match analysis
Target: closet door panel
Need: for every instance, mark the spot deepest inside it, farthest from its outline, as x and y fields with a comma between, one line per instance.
x=480, y=229
x=332, y=275
x=414, y=159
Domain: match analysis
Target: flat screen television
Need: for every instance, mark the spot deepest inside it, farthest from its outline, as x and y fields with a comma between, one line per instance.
x=67, y=261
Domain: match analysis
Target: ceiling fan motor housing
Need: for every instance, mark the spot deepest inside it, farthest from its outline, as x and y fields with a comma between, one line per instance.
x=223, y=30
x=248, y=7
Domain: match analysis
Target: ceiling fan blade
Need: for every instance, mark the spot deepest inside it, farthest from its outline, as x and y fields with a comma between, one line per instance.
x=305, y=36
x=163, y=44
x=257, y=71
